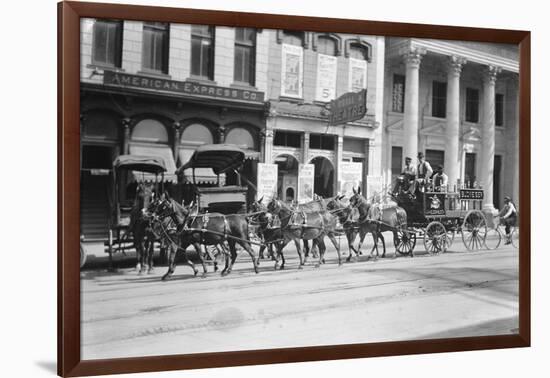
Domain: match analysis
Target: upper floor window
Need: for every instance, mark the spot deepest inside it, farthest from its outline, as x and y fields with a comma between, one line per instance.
x=293, y=38
x=398, y=94
x=499, y=109
x=358, y=56
x=155, y=46
x=326, y=46
x=107, y=43
x=287, y=139
x=202, y=51
x=245, y=55
x=321, y=141
x=472, y=105
x=326, y=69
x=439, y=99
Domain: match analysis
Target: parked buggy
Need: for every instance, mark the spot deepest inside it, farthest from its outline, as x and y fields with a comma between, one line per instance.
x=144, y=168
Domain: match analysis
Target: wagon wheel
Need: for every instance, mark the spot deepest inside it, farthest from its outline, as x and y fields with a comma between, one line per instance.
x=82, y=255
x=405, y=242
x=474, y=230
x=493, y=238
x=435, y=238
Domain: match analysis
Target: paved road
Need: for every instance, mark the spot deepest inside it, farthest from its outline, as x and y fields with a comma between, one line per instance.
x=458, y=293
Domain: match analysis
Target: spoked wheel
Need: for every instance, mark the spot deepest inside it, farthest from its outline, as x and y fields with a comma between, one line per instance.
x=82, y=255
x=435, y=238
x=474, y=230
x=493, y=238
x=405, y=242
x=515, y=237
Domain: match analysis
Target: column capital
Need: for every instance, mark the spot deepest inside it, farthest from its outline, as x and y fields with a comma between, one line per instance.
x=176, y=125
x=490, y=74
x=413, y=57
x=455, y=64
x=126, y=122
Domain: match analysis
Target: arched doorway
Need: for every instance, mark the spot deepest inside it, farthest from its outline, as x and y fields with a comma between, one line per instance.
x=287, y=179
x=324, y=177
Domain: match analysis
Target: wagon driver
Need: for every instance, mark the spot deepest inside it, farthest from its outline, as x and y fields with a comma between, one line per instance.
x=423, y=172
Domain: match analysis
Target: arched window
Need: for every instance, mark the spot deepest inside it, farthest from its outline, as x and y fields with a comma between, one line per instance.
x=196, y=134
x=100, y=126
x=358, y=52
x=326, y=46
x=242, y=138
x=293, y=38
x=150, y=130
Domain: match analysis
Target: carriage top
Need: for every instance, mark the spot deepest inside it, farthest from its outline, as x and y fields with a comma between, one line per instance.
x=141, y=163
x=220, y=157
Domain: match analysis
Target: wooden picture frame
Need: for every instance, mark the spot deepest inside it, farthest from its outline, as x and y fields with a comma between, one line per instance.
x=69, y=360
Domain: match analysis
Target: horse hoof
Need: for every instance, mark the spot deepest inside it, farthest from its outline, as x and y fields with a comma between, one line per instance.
x=195, y=272
x=301, y=266
x=317, y=265
x=324, y=262
x=340, y=264
x=203, y=275
x=166, y=277
x=348, y=259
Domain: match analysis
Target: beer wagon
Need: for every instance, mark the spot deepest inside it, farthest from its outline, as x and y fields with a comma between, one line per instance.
x=438, y=216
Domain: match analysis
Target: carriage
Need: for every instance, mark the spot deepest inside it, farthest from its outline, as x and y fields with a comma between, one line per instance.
x=227, y=195
x=438, y=216
x=143, y=169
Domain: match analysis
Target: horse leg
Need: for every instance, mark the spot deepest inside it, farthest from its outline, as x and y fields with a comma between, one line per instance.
x=172, y=262
x=201, y=259
x=299, y=251
x=381, y=236
x=322, y=248
x=279, y=248
x=335, y=244
x=362, y=235
x=150, y=254
x=233, y=251
x=248, y=248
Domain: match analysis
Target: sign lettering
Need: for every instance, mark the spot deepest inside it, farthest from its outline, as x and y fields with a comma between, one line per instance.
x=348, y=108
x=182, y=87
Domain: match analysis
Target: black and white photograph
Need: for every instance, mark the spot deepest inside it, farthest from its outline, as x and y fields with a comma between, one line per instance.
x=250, y=188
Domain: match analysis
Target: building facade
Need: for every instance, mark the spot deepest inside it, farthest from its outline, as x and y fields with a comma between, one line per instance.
x=307, y=71
x=164, y=89
x=458, y=103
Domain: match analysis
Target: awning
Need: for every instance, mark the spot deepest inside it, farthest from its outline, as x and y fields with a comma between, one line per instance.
x=161, y=151
x=219, y=157
x=202, y=175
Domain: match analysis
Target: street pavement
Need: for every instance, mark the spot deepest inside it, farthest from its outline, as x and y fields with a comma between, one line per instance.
x=455, y=294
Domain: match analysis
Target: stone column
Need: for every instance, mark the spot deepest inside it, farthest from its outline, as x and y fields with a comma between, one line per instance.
x=338, y=156
x=268, y=147
x=221, y=134
x=176, y=128
x=452, y=153
x=126, y=122
x=488, y=135
x=410, y=119
x=511, y=172
x=305, y=147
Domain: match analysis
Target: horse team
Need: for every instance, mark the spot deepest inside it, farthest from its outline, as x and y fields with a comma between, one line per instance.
x=276, y=224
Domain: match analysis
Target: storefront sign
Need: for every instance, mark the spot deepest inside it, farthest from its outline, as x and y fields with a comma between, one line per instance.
x=434, y=203
x=267, y=182
x=350, y=177
x=306, y=173
x=183, y=87
x=348, y=108
x=326, y=78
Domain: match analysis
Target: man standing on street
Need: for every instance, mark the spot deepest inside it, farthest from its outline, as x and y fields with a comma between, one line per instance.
x=508, y=217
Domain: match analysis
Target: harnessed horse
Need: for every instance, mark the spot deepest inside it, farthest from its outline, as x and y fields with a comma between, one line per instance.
x=140, y=227
x=376, y=220
x=296, y=225
x=209, y=229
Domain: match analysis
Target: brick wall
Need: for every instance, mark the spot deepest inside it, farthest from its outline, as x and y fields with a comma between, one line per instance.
x=179, y=64
x=224, y=56
x=132, y=39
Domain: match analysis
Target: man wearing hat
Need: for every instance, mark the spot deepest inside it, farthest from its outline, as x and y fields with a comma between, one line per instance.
x=440, y=180
x=508, y=217
x=408, y=173
x=423, y=172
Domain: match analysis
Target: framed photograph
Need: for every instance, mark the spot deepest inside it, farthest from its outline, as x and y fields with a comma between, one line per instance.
x=240, y=188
